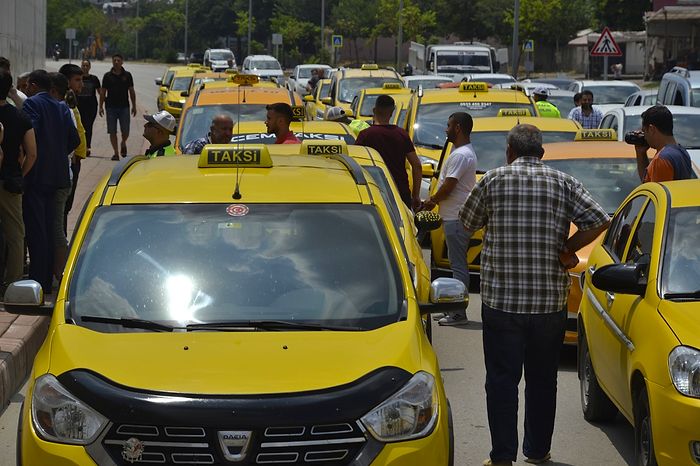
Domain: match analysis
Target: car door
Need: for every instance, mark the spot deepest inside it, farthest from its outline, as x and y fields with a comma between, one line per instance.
x=603, y=335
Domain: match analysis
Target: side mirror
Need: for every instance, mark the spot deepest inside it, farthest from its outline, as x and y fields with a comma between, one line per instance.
x=163, y=89
x=446, y=295
x=308, y=98
x=327, y=101
x=159, y=81
x=622, y=278
x=185, y=93
x=427, y=220
x=26, y=297
x=428, y=170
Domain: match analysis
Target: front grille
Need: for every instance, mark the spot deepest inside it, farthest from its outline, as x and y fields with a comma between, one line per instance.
x=327, y=444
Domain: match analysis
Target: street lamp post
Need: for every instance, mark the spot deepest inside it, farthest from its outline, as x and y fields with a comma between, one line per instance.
x=323, y=24
x=516, y=48
x=136, y=53
x=400, y=36
x=250, y=22
x=186, y=21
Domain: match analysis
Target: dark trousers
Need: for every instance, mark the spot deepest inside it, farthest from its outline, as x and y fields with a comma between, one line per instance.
x=88, y=113
x=75, y=169
x=511, y=342
x=38, y=210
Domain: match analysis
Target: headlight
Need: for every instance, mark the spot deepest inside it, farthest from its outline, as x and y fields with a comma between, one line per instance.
x=684, y=365
x=58, y=416
x=424, y=159
x=409, y=414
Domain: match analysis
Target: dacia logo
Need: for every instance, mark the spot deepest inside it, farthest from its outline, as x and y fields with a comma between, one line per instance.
x=234, y=444
x=233, y=156
x=325, y=149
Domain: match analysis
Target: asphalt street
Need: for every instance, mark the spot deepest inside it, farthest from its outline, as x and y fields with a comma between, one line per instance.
x=459, y=349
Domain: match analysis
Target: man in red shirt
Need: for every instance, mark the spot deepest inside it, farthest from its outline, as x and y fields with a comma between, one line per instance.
x=279, y=116
x=395, y=147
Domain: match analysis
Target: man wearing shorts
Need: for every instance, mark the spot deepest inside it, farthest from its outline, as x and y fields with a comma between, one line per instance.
x=117, y=88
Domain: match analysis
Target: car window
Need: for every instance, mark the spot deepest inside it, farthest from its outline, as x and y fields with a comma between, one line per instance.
x=678, y=99
x=193, y=263
x=168, y=78
x=389, y=199
x=197, y=120
x=668, y=96
x=681, y=256
x=181, y=84
x=619, y=231
x=350, y=87
x=695, y=93
x=607, y=120
x=490, y=146
x=643, y=235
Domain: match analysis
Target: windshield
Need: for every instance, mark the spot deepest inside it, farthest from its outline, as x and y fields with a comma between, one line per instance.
x=180, y=264
x=264, y=138
x=685, y=128
x=426, y=83
x=463, y=60
x=681, y=260
x=324, y=90
x=221, y=56
x=431, y=120
x=348, y=88
x=493, y=79
x=265, y=65
x=168, y=78
x=611, y=94
x=181, y=84
x=305, y=72
x=197, y=120
x=608, y=180
x=367, y=108
x=490, y=146
x=564, y=103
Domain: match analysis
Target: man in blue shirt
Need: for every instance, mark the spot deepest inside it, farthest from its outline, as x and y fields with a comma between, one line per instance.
x=56, y=137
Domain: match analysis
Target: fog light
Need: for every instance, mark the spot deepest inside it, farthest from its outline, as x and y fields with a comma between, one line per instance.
x=695, y=450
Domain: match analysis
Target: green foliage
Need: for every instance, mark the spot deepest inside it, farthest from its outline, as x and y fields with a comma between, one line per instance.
x=552, y=21
x=622, y=15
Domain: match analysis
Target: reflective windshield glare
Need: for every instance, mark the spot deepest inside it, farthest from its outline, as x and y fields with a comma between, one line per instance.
x=681, y=266
x=198, y=264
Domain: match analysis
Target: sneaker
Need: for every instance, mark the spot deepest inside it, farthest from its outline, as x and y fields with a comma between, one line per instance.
x=490, y=462
x=115, y=157
x=544, y=459
x=439, y=315
x=454, y=319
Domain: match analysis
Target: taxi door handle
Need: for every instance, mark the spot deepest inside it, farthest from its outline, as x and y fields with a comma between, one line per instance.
x=610, y=297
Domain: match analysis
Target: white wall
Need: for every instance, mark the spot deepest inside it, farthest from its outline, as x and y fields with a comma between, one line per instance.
x=23, y=34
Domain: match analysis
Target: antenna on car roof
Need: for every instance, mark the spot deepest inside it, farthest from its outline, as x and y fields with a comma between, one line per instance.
x=240, y=80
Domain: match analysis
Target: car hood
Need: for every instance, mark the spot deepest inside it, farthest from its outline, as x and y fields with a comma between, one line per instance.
x=605, y=108
x=232, y=362
x=268, y=72
x=682, y=317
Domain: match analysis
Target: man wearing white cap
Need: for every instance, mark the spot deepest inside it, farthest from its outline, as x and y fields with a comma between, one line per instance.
x=157, y=131
x=339, y=115
x=546, y=109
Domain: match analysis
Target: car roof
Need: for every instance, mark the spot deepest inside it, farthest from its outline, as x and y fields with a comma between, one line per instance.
x=431, y=96
x=179, y=180
x=252, y=94
x=312, y=65
x=261, y=57
x=476, y=76
x=684, y=193
x=603, y=83
x=407, y=91
x=506, y=123
x=427, y=77
x=674, y=109
x=588, y=150
x=360, y=73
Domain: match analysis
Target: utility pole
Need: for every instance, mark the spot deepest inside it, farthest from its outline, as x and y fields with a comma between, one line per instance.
x=250, y=22
x=186, y=21
x=323, y=24
x=136, y=53
x=516, y=46
x=400, y=36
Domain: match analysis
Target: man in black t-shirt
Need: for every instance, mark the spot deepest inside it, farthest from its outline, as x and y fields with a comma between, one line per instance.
x=117, y=88
x=18, y=132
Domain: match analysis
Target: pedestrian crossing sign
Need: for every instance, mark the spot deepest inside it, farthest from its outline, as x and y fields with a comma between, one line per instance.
x=337, y=40
x=606, y=46
x=529, y=46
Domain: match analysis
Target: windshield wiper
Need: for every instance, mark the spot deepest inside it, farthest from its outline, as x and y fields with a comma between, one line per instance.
x=428, y=146
x=267, y=325
x=688, y=295
x=128, y=322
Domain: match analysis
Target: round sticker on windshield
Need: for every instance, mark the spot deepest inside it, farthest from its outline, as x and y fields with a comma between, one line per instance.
x=237, y=210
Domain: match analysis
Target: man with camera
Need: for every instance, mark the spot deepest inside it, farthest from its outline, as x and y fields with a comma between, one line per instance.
x=672, y=161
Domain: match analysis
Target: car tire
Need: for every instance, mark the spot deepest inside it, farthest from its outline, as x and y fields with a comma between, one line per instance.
x=643, y=439
x=595, y=404
x=18, y=446
x=451, y=433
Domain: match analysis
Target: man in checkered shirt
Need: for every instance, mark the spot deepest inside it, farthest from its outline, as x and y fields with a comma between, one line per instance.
x=526, y=209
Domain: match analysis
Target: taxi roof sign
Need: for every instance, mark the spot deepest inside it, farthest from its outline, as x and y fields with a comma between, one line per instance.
x=327, y=147
x=392, y=86
x=514, y=112
x=298, y=112
x=607, y=134
x=235, y=155
x=369, y=66
x=245, y=79
x=473, y=86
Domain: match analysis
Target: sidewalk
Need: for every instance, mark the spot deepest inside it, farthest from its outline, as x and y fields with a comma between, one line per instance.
x=21, y=336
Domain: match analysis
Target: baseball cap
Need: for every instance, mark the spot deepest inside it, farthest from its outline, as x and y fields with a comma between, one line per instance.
x=335, y=113
x=163, y=119
x=541, y=90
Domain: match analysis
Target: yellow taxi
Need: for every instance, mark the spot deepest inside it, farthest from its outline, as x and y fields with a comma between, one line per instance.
x=236, y=321
x=346, y=83
x=429, y=110
x=206, y=77
x=255, y=132
x=488, y=138
x=315, y=105
x=172, y=97
x=639, y=332
x=241, y=102
x=363, y=104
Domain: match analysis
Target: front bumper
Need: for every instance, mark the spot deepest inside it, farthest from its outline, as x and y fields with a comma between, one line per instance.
x=675, y=427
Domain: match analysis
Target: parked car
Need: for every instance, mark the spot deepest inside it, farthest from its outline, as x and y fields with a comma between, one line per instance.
x=265, y=66
x=428, y=81
x=300, y=77
x=561, y=83
x=219, y=59
x=606, y=94
x=491, y=78
x=644, y=98
x=196, y=57
x=680, y=87
x=181, y=57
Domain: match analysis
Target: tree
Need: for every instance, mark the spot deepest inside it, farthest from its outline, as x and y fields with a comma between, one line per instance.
x=353, y=19
x=622, y=15
x=552, y=22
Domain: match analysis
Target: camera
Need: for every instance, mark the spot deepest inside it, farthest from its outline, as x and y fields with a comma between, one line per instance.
x=636, y=138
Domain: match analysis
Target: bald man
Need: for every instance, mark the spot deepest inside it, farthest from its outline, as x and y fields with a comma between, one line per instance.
x=220, y=132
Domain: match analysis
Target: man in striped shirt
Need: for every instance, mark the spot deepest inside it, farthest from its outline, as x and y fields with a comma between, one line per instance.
x=526, y=208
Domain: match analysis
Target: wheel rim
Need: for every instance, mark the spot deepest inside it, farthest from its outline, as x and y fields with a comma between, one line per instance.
x=645, y=440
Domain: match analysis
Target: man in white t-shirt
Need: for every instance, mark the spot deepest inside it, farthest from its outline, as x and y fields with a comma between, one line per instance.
x=457, y=178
